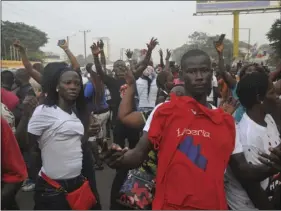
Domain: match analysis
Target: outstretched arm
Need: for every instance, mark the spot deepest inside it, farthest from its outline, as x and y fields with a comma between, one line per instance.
x=143, y=64
x=71, y=57
x=26, y=63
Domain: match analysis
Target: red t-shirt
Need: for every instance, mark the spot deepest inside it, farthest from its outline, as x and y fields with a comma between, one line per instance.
x=9, y=99
x=194, y=146
x=12, y=163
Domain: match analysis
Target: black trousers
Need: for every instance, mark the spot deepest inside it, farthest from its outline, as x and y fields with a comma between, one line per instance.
x=120, y=133
x=47, y=198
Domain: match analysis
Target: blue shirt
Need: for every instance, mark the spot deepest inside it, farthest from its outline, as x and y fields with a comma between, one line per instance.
x=89, y=93
x=240, y=110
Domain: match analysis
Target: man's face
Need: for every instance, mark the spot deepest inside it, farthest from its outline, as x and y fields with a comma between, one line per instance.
x=197, y=75
x=119, y=67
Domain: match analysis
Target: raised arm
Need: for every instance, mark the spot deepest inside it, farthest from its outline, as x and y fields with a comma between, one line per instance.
x=26, y=63
x=167, y=63
x=126, y=114
x=231, y=82
x=105, y=78
x=129, y=55
x=102, y=55
x=143, y=64
x=71, y=57
x=161, y=59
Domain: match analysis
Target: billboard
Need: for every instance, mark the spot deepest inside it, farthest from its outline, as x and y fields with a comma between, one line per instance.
x=228, y=6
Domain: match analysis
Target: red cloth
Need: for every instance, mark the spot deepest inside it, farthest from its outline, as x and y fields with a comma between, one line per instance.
x=9, y=99
x=12, y=163
x=194, y=146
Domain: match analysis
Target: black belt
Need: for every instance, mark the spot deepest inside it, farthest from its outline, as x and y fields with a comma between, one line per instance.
x=101, y=111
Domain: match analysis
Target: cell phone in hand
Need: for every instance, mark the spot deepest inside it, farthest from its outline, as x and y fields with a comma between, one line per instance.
x=221, y=38
x=61, y=42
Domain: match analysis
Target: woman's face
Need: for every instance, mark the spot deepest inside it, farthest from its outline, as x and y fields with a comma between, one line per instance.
x=69, y=85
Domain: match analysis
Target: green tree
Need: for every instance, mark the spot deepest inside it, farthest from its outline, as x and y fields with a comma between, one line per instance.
x=30, y=36
x=274, y=37
x=203, y=41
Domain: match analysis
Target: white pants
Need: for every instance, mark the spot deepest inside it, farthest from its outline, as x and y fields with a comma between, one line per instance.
x=102, y=119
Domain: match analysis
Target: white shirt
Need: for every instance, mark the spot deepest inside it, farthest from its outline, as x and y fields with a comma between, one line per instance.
x=60, y=141
x=254, y=139
x=146, y=101
x=237, y=148
x=214, y=84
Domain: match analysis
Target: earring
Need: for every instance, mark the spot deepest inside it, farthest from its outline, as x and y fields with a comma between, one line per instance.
x=261, y=102
x=57, y=90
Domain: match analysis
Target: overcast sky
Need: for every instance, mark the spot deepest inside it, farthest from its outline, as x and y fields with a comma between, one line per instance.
x=128, y=24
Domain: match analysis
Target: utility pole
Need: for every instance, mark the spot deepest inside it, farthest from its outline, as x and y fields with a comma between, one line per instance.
x=85, y=47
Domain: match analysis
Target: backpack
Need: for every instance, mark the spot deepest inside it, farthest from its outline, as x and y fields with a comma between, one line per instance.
x=194, y=146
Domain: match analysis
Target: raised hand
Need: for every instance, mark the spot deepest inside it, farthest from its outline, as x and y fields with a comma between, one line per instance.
x=168, y=55
x=161, y=53
x=63, y=45
x=152, y=44
x=95, y=49
x=18, y=45
x=230, y=105
x=129, y=53
x=101, y=44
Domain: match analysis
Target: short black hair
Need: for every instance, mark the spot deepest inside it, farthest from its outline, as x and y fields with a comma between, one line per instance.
x=22, y=74
x=257, y=67
x=252, y=88
x=7, y=77
x=89, y=67
x=194, y=52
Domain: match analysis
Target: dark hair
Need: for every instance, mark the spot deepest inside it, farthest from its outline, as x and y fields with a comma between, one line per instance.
x=149, y=81
x=39, y=67
x=98, y=85
x=7, y=77
x=50, y=80
x=194, y=52
x=257, y=67
x=161, y=79
x=22, y=74
x=252, y=88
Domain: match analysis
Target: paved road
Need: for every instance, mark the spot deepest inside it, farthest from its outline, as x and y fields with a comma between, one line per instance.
x=104, y=181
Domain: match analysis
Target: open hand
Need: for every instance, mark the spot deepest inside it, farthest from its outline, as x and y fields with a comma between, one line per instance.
x=272, y=160
x=113, y=155
x=129, y=53
x=95, y=49
x=230, y=105
x=152, y=44
x=168, y=55
x=18, y=45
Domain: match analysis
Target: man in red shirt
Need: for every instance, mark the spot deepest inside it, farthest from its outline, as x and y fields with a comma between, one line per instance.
x=195, y=143
x=14, y=170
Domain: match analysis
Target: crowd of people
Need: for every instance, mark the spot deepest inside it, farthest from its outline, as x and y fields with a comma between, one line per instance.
x=196, y=135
